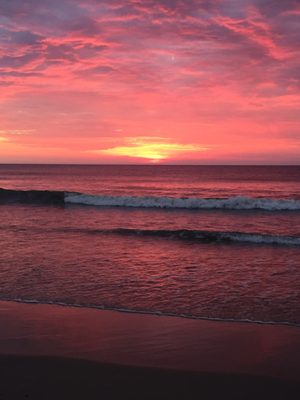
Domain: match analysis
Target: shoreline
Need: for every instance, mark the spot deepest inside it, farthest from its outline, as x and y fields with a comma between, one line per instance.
x=50, y=351
x=153, y=313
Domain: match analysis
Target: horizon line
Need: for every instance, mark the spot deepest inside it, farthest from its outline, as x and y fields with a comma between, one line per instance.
x=156, y=165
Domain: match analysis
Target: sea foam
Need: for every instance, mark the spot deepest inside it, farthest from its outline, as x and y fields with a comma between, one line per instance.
x=231, y=203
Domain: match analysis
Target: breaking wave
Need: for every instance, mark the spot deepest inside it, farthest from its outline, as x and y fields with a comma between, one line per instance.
x=31, y=197
x=231, y=203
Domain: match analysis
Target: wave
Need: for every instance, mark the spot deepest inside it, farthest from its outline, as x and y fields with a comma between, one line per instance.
x=201, y=236
x=208, y=236
x=230, y=203
x=198, y=236
x=32, y=197
x=147, y=312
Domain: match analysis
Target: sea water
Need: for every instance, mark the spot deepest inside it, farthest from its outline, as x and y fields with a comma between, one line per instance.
x=216, y=242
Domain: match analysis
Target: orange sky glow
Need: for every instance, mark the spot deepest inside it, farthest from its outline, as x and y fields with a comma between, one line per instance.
x=180, y=82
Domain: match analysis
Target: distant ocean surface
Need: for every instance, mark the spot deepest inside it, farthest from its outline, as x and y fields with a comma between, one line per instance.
x=215, y=242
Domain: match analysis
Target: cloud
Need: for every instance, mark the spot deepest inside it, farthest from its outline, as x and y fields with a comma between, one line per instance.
x=16, y=62
x=60, y=52
x=16, y=131
x=82, y=25
x=197, y=68
x=26, y=38
x=95, y=71
x=276, y=7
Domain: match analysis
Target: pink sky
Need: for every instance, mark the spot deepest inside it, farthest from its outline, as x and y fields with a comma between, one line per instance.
x=139, y=81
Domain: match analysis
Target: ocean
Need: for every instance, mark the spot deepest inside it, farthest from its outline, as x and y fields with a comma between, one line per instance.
x=207, y=242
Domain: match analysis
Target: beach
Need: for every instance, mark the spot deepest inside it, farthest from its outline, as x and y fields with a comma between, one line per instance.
x=50, y=351
x=149, y=199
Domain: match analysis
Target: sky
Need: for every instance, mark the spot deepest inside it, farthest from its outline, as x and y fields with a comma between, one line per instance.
x=144, y=81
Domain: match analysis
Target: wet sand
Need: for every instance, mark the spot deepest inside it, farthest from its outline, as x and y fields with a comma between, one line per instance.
x=57, y=378
x=61, y=352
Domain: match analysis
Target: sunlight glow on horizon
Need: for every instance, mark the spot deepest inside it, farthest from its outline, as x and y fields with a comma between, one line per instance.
x=150, y=149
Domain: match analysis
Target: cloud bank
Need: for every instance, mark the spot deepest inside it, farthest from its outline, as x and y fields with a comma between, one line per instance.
x=80, y=75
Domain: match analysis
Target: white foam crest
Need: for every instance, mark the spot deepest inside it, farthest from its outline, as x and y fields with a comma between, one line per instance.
x=262, y=239
x=231, y=203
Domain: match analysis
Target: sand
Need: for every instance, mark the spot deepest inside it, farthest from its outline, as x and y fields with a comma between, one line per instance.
x=58, y=378
x=53, y=352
